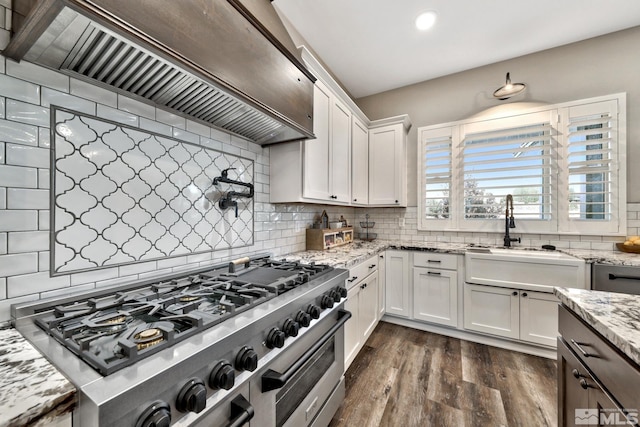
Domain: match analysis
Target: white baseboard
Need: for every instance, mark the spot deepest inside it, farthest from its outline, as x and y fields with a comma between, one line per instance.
x=547, y=352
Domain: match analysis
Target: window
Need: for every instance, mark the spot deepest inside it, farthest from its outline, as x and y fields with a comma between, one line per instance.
x=559, y=163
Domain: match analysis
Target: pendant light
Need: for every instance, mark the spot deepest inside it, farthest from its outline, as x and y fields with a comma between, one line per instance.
x=509, y=89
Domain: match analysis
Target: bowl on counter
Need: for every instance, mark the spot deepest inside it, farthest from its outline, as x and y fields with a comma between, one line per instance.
x=335, y=224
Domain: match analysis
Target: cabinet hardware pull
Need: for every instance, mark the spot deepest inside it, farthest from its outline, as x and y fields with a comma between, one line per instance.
x=524, y=294
x=372, y=266
x=614, y=277
x=434, y=261
x=363, y=286
x=578, y=346
x=515, y=294
x=353, y=279
x=584, y=384
x=382, y=256
x=434, y=273
x=577, y=374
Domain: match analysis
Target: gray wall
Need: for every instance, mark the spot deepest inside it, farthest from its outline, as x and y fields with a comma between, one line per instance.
x=599, y=66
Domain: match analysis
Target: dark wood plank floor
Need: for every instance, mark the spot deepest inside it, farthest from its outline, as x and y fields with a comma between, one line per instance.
x=405, y=377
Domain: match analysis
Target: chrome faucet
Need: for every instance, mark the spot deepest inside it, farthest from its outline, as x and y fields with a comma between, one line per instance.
x=509, y=222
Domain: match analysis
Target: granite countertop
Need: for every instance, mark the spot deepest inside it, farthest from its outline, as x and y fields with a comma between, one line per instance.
x=614, y=315
x=32, y=392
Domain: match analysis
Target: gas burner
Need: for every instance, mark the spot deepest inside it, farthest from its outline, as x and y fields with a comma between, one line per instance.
x=148, y=338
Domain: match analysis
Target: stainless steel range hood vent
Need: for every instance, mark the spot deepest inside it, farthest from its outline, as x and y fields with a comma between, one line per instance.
x=112, y=61
x=205, y=82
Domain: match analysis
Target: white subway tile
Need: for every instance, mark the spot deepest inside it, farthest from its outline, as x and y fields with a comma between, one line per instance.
x=170, y=119
x=64, y=292
x=117, y=115
x=172, y=262
x=43, y=261
x=8, y=20
x=3, y=15
x=3, y=243
x=117, y=281
x=44, y=178
x=27, y=284
x=43, y=220
x=39, y=75
x=138, y=268
x=44, y=137
x=11, y=87
x=3, y=198
x=24, y=155
x=185, y=136
x=210, y=143
x=19, y=220
x=220, y=135
x=156, y=127
x=198, y=128
x=2, y=103
x=28, y=241
x=27, y=198
x=19, y=133
x=3, y=288
x=199, y=258
x=14, y=264
x=94, y=276
x=54, y=97
x=94, y=93
x=27, y=113
x=136, y=107
x=155, y=273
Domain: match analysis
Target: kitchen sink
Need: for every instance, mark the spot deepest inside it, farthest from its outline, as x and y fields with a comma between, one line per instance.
x=524, y=269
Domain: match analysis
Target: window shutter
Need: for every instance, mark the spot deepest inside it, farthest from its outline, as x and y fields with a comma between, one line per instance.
x=435, y=162
x=518, y=160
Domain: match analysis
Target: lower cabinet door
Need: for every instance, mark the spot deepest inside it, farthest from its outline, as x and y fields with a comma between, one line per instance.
x=435, y=296
x=368, y=305
x=352, y=336
x=573, y=399
x=491, y=310
x=538, y=317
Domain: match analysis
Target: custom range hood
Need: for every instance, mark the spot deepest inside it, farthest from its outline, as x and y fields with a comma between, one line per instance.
x=228, y=63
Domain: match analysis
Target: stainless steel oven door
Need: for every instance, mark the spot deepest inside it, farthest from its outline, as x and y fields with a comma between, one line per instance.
x=303, y=385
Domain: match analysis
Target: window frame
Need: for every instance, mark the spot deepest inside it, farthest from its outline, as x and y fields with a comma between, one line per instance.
x=558, y=116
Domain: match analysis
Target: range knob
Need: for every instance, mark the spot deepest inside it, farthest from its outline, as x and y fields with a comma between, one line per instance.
x=313, y=311
x=222, y=376
x=192, y=396
x=246, y=359
x=342, y=291
x=327, y=301
x=335, y=295
x=304, y=319
x=158, y=414
x=275, y=338
x=290, y=327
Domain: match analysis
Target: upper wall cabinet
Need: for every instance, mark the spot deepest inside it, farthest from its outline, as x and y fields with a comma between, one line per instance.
x=359, y=163
x=387, y=162
x=336, y=166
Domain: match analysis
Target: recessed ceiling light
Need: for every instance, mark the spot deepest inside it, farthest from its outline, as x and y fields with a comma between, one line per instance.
x=426, y=20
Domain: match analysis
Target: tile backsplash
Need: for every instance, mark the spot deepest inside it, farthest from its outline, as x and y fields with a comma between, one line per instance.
x=27, y=94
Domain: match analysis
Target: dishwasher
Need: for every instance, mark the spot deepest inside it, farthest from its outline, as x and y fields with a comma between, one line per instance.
x=616, y=278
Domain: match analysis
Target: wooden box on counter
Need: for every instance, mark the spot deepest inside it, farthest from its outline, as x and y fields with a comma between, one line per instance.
x=320, y=239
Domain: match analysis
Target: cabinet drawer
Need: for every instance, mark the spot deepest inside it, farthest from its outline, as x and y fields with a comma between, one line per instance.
x=433, y=260
x=620, y=376
x=362, y=270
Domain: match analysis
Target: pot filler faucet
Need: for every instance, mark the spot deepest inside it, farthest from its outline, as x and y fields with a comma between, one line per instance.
x=509, y=222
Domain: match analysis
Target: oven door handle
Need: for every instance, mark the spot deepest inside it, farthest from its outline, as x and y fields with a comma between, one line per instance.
x=241, y=412
x=272, y=380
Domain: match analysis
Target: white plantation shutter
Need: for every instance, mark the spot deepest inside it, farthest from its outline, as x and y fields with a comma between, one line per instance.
x=592, y=170
x=508, y=156
x=436, y=182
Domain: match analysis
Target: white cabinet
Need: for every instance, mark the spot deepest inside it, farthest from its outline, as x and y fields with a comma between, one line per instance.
x=512, y=313
x=382, y=269
x=387, y=162
x=327, y=161
x=362, y=302
x=397, y=283
x=359, y=163
x=539, y=317
x=435, y=295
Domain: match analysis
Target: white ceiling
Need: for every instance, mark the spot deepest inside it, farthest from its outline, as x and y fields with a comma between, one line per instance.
x=373, y=45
